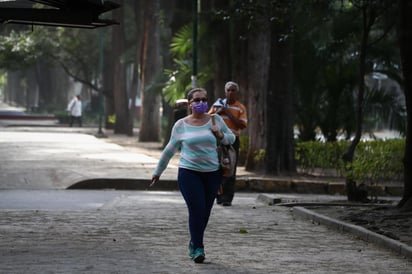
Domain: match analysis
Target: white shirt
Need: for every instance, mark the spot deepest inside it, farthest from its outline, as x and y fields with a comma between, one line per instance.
x=75, y=107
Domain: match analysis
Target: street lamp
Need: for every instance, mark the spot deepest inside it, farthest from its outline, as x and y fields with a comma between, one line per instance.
x=100, y=133
x=194, y=74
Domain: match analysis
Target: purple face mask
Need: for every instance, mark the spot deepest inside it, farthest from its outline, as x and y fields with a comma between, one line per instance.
x=200, y=107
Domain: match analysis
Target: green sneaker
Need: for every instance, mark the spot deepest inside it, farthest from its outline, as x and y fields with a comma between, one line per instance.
x=199, y=255
x=191, y=250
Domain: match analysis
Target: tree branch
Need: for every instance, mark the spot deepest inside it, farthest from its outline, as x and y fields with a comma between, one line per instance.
x=79, y=79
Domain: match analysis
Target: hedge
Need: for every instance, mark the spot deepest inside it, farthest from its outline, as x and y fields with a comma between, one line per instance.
x=374, y=161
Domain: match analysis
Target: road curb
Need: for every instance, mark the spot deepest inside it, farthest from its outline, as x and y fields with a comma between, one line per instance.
x=124, y=184
x=364, y=234
x=305, y=186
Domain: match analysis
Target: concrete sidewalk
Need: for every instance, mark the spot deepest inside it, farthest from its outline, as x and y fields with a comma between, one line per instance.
x=57, y=158
x=145, y=231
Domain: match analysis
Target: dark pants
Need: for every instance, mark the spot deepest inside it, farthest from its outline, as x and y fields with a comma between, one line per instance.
x=199, y=192
x=73, y=119
x=227, y=191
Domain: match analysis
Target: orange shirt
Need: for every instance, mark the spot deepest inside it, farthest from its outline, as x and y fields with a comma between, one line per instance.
x=238, y=110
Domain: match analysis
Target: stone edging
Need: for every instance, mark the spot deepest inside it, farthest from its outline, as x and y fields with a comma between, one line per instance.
x=364, y=234
x=301, y=185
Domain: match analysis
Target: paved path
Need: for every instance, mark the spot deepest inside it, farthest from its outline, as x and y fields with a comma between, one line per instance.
x=56, y=158
x=146, y=231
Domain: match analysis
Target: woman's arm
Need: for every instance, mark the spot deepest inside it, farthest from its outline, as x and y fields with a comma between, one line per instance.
x=228, y=136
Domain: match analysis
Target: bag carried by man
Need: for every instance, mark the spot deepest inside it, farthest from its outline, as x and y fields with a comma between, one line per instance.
x=227, y=156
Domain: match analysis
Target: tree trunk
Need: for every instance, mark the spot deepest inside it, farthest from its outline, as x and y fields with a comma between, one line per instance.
x=33, y=91
x=108, y=83
x=222, y=72
x=258, y=68
x=354, y=192
x=348, y=156
x=119, y=85
x=239, y=68
x=43, y=76
x=151, y=73
x=12, y=85
x=405, y=45
x=280, y=156
x=136, y=83
x=174, y=18
x=52, y=83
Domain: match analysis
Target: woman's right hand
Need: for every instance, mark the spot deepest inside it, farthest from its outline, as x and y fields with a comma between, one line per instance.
x=155, y=179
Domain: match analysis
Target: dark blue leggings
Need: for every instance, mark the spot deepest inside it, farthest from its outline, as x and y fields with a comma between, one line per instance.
x=199, y=191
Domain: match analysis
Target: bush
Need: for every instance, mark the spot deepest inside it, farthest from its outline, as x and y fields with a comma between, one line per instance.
x=62, y=116
x=374, y=161
x=316, y=155
x=87, y=118
x=243, y=147
x=377, y=161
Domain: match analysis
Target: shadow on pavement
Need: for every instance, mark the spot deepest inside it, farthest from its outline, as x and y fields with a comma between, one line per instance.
x=123, y=184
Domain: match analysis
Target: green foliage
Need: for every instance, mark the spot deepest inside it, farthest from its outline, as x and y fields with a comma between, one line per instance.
x=179, y=78
x=323, y=95
x=62, y=116
x=327, y=37
x=182, y=43
x=72, y=41
x=3, y=81
x=382, y=105
x=259, y=155
x=22, y=49
x=243, y=231
x=178, y=81
x=243, y=143
x=111, y=118
x=375, y=161
x=310, y=155
x=19, y=50
x=88, y=118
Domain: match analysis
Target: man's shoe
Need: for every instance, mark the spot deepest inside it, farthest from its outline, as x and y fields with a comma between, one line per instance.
x=199, y=255
x=226, y=204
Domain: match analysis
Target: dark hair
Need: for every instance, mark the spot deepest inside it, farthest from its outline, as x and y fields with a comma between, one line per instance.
x=193, y=90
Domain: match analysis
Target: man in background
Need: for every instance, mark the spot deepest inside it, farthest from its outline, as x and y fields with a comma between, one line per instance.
x=75, y=110
x=234, y=114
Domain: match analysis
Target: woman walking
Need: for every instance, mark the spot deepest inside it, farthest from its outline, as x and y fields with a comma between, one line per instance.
x=199, y=174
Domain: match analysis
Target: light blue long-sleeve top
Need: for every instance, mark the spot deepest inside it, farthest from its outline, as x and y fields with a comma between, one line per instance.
x=197, y=145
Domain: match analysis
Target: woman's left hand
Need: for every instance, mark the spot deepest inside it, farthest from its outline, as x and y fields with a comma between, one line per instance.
x=216, y=131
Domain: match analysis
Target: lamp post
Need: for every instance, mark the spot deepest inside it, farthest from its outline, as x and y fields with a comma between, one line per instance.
x=100, y=133
x=194, y=74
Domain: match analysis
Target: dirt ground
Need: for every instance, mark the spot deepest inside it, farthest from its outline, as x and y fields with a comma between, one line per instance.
x=384, y=219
